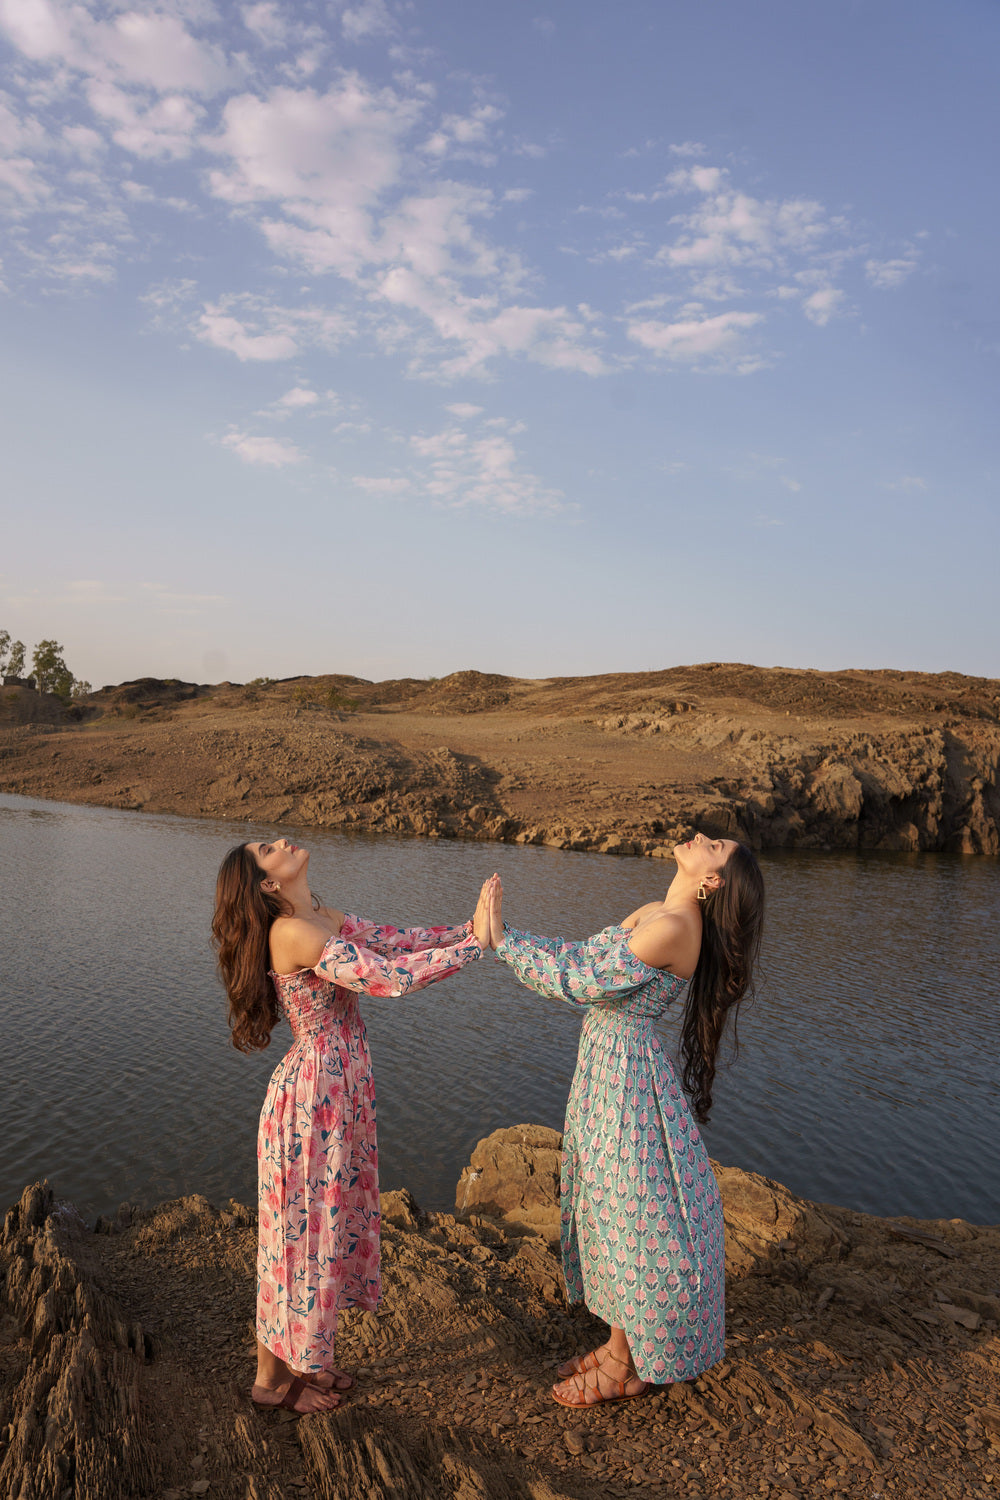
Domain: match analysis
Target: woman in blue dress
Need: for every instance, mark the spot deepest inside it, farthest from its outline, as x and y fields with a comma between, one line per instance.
x=642, y=1233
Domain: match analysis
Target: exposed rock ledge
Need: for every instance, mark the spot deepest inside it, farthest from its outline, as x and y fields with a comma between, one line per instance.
x=863, y=1358
x=625, y=763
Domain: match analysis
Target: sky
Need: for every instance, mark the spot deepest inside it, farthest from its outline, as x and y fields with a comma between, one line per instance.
x=393, y=339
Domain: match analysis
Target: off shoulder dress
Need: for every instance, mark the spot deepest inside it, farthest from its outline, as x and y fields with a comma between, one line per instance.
x=642, y=1232
x=317, y=1155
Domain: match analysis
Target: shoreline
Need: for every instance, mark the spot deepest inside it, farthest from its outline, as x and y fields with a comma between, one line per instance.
x=857, y=1362
x=620, y=764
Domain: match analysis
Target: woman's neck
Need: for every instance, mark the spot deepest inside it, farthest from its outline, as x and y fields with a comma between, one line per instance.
x=682, y=893
x=298, y=895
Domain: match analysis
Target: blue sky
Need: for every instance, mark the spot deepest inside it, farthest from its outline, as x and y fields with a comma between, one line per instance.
x=394, y=339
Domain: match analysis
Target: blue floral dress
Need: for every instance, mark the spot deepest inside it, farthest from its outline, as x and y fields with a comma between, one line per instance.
x=642, y=1233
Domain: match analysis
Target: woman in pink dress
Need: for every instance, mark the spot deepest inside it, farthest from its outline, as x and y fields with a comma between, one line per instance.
x=281, y=953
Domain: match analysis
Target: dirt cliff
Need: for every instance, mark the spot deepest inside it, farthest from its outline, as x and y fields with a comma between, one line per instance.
x=863, y=1359
x=622, y=763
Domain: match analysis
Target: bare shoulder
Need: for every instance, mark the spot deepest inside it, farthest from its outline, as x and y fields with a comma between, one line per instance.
x=298, y=942
x=642, y=913
x=667, y=941
x=332, y=915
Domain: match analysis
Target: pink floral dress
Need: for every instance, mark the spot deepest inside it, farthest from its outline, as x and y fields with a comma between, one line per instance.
x=642, y=1233
x=317, y=1156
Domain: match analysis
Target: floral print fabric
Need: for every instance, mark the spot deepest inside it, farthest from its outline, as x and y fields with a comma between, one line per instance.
x=318, y=1247
x=642, y=1233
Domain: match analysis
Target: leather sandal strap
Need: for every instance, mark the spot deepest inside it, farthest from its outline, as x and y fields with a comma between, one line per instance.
x=290, y=1397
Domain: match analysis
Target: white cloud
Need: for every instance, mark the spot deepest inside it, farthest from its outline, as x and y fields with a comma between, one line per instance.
x=396, y=485
x=225, y=332
x=22, y=140
x=332, y=179
x=269, y=451
x=169, y=601
x=733, y=228
x=36, y=28
x=84, y=592
x=146, y=48
x=732, y=245
x=82, y=270
x=434, y=236
x=19, y=175
x=822, y=305
x=366, y=184
x=267, y=23
x=369, y=19
x=299, y=396
x=92, y=591
x=459, y=470
x=464, y=410
x=161, y=127
x=693, y=338
x=547, y=336
x=169, y=296
x=906, y=482
x=82, y=141
x=888, y=274
x=254, y=329
x=323, y=159
x=157, y=50
x=465, y=135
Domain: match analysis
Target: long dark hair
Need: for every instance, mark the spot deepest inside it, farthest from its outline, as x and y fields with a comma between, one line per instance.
x=732, y=921
x=244, y=912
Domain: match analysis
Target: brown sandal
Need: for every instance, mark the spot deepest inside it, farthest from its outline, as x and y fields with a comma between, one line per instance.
x=335, y=1376
x=290, y=1397
x=581, y=1363
x=594, y=1393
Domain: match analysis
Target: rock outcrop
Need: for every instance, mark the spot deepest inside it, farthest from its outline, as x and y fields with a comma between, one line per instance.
x=863, y=1359
x=621, y=764
x=514, y=1175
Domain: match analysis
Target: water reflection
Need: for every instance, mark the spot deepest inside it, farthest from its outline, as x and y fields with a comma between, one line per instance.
x=866, y=1074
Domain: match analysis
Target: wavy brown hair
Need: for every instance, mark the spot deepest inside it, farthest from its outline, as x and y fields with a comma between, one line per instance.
x=732, y=922
x=244, y=912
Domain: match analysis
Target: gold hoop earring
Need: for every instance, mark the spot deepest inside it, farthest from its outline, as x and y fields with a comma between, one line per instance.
x=702, y=893
x=277, y=887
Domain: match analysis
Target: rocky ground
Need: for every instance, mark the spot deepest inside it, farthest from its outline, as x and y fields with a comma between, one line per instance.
x=622, y=763
x=863, y=1358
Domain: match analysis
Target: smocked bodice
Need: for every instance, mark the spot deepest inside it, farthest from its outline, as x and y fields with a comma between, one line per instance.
x=313, y=1006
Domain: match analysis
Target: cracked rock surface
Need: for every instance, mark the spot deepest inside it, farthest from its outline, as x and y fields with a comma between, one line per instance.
x=625, y=763
x=863, y=1359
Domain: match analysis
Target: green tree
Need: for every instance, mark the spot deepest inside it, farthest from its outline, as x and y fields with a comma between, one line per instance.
x=50, y=671
x=11, y=656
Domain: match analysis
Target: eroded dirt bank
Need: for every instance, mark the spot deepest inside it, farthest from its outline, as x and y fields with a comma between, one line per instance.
x=863, y=1358
x=623, y=763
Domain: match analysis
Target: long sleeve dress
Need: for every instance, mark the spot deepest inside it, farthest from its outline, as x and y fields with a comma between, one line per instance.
x=642, y=1233
x=317, y=1154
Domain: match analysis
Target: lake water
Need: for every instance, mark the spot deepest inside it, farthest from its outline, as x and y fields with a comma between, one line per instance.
x=867, y=1075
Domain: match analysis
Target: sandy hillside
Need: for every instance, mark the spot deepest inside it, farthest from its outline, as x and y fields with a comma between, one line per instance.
x=622, y=763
